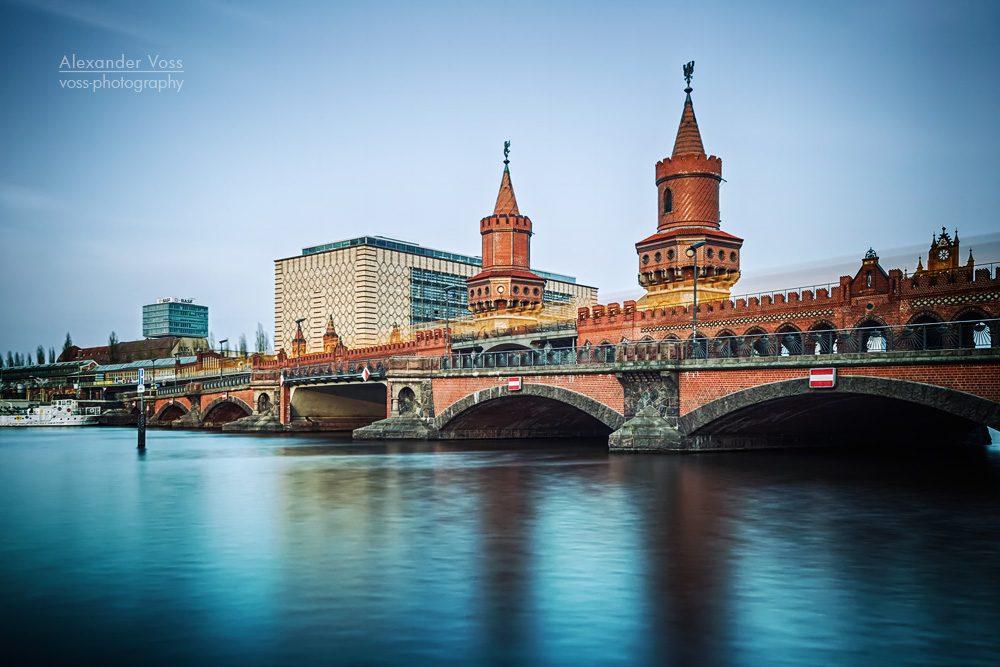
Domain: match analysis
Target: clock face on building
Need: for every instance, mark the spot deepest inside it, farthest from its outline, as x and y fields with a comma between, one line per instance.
x=943, y=254
x=499, y=289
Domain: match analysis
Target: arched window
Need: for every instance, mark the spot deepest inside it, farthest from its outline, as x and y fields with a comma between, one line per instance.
x=406, y=403
x=789, y=341
x=668, y=201
x=822, y=338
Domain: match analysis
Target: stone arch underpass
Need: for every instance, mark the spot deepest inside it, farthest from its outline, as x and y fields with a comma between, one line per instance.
x=224, y=410
x=859, y=410
x=536, y=411
x=170, y=412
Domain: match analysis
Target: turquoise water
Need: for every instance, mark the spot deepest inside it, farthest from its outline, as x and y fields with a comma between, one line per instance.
x=227, y=549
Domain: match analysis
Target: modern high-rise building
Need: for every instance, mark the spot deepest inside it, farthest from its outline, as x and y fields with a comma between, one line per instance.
x=371, y=284
x=174, y=317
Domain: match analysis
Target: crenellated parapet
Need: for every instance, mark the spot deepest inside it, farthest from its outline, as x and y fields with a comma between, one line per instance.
x=689, y=163
x=890, y=298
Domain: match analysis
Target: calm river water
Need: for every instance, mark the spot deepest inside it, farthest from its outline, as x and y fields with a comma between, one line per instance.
x=228, y=549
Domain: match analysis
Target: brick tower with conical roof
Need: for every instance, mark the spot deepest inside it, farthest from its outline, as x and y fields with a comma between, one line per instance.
x=687, y=186
x=506, y=293
x=331, y=341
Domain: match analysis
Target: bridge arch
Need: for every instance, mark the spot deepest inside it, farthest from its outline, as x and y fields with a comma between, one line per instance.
x=537, y=410
x=225, y=409
x=859, y=409
x=170, y=411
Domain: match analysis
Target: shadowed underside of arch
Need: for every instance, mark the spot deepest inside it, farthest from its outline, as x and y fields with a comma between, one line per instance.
x=224, y=410
x=859, y=410
x=537, y=411
x=170, y=412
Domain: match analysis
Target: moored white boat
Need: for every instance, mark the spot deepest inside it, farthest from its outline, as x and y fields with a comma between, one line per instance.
x=65, y=412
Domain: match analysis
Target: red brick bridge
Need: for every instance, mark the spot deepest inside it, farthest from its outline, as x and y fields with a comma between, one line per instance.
x=920, y=384
x=664, y=395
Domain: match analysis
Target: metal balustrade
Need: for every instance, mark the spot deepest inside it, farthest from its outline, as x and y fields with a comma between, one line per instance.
x=336, y=371
x=972, y=334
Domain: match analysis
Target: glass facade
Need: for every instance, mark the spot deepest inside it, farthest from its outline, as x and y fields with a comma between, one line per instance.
x=437, y=296
x=174, y=318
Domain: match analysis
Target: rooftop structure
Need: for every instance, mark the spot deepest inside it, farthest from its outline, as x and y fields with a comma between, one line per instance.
x=173, y=316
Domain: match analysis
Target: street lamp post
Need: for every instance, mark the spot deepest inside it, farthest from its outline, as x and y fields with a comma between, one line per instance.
x=692, y=252
x=298, y=353
x=221, y=357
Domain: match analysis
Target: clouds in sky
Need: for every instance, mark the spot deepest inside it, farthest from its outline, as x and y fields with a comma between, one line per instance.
x=841, y=126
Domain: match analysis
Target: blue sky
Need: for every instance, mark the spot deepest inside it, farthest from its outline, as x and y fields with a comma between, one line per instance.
x=841, y=126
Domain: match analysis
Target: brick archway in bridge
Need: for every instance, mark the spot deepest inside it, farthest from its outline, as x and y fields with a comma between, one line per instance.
x=227, y=413
x=537, y=410
x=171, y=411
x=859, y=409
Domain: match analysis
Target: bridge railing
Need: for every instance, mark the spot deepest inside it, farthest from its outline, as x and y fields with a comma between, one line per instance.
x=873, y=340
x=229, y=380
x=335, y=371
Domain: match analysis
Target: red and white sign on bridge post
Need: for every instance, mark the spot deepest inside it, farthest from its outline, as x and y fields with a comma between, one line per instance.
x=822, y=378
x=514, y=384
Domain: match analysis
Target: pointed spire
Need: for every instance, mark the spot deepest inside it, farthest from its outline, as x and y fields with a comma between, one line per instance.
x=506, y=202
x=688, y=136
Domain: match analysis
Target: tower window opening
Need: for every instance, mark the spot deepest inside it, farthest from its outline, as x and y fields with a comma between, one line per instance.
x=668, y=200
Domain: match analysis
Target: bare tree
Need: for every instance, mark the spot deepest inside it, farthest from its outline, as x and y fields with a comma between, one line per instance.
x=52, y=355
x=243, y=345
x=113, y=350
x=10, y=359
x=262, y=342
x=68, y=343
x=40, y=354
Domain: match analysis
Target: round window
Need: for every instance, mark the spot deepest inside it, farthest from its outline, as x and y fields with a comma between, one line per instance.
x=536, y=291
x=732, y=256
x=645, y=259
x=657, y=257
x=670, y=254
x=709, y=253
x=516, y=289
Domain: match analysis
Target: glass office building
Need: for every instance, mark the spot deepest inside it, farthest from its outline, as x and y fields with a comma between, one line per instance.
x=174, y=317
x=370, y=285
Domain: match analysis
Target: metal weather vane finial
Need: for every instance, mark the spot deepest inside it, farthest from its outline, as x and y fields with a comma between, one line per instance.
x=688, y=73
x=506, y=152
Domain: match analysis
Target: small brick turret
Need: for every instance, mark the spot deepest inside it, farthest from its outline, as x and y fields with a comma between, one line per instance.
x=687, y=186
x=331, y=341
x=506, y=293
